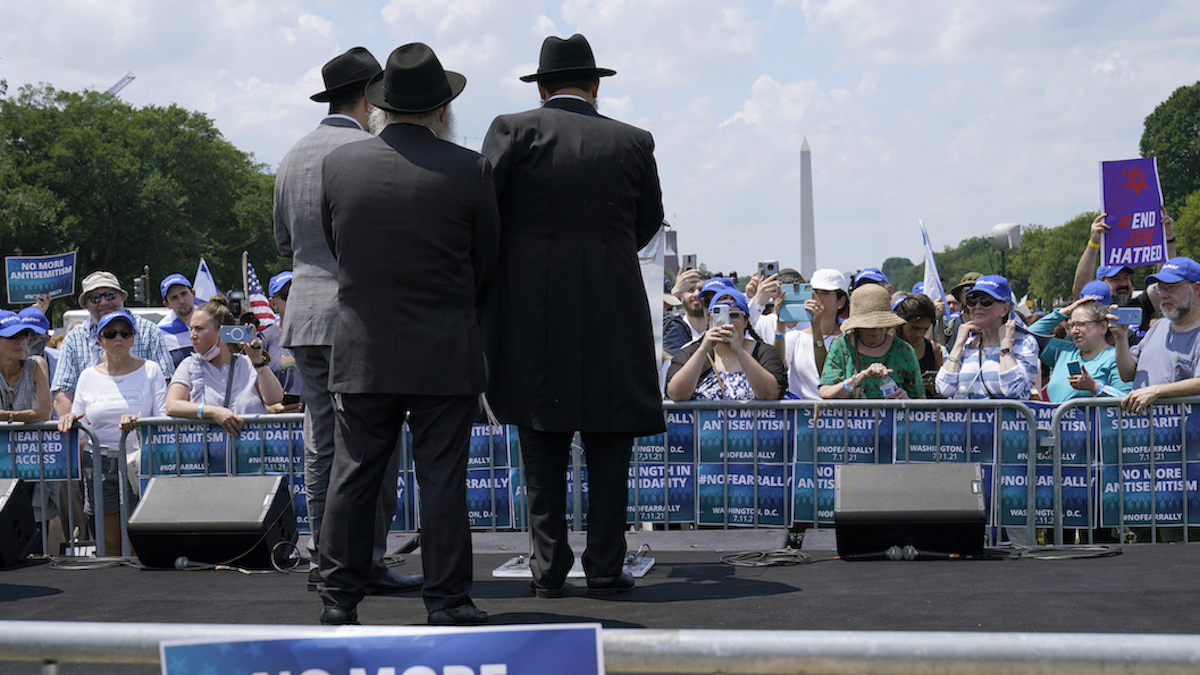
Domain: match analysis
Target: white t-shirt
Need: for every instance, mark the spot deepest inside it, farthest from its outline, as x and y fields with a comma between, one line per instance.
x=803, y=377
x=102, y=400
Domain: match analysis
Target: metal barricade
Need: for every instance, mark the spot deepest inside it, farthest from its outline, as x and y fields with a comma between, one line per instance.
x=47, y=483
x=1095, y=464
x=683, y=651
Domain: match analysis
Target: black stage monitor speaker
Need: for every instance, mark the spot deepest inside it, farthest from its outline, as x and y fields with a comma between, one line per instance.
x=234, y=520
x=936, y=509
x=18, y=531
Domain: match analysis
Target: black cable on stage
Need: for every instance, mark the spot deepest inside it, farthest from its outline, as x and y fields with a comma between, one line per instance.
x=771, y=558
x=85, y=563
x=1074, y=552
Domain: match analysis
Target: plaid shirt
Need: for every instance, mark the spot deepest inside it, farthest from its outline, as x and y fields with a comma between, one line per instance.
x=81, y=349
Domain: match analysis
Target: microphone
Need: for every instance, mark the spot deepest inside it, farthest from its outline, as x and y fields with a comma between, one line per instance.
x=182, y=563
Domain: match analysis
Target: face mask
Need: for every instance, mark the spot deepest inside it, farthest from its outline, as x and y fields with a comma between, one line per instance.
x=212, y=353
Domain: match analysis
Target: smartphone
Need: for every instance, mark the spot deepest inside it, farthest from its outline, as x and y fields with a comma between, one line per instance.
x=1128, y=316
x=720, y=316
x=689, y=262
x=289, y=399
x=1074, y=367
x=768, y=267
x=237, y=333
x=792, y=308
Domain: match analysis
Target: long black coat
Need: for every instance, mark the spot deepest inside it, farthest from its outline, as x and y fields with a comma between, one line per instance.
x=412, y=221
x=567, y=326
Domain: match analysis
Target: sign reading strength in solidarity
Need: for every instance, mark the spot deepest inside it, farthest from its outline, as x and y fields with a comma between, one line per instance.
x=27, y=276
x=566, y=649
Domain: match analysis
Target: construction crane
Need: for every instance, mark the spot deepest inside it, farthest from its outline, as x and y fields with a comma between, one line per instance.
x=121, y=83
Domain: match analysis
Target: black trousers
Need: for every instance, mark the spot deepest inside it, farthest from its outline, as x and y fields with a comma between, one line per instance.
x=546, y=456
x=365, y=437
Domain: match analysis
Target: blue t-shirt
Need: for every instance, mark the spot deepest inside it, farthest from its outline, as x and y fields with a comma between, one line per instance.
x=1102, y=367
x=1166, y=356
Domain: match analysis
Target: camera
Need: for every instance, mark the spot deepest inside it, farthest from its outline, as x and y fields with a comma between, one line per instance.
x=768, y=267
x=237, y=333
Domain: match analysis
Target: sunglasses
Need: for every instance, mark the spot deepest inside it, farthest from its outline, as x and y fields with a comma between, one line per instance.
x=97, y=298
x=736, y=315
x=283, y=294
x=111, y=334
x=981, y=300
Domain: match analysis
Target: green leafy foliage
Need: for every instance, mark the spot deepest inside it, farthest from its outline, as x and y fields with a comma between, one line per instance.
x=1172, y=134
x=128, y=187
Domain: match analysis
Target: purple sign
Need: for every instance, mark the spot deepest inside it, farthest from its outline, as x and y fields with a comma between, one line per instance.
x=1133, y=205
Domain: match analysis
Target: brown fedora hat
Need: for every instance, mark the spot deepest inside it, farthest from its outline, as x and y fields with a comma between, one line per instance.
x=414, y=81
x=345, y=72
x=573, y=55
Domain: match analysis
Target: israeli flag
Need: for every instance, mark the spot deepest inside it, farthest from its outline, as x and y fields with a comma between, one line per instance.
x=933, y=281
x=205, y=285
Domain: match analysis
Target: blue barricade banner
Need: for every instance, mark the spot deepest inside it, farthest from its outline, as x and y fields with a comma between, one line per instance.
x=1126, y=438
x=35, y=454
x=27, y=276
x=489, y=501
x=269, y=449
x=568, y=649
x=812, y=501
x=843, y=436
x=184, y=449
x=660, y=493
x=1014, y=495
x=728, y=494
x=949, y=435
x=1139, y=494
x=733, y=435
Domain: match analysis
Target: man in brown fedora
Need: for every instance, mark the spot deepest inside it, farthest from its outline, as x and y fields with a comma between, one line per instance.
x=412, y=222
x=308, y=327
x=570, y=345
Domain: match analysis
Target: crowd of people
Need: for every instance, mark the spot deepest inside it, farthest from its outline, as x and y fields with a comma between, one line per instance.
x=864, y=339
x=426, y=274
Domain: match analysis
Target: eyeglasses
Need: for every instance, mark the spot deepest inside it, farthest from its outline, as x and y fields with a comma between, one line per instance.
x=112, y=334
x=97, y=298
x=1072, y=325
x=981, y=300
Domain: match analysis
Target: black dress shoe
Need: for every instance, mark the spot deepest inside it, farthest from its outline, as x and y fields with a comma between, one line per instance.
x=610, y=585
x=314, y=578
x=545, y=591
x=393, y=583
x=339, y=616
x=463, y=615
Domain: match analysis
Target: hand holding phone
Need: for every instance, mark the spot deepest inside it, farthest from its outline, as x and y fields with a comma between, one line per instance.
x=1074, y=368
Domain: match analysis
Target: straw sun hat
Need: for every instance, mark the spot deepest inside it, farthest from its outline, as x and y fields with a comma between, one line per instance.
x=871, y=307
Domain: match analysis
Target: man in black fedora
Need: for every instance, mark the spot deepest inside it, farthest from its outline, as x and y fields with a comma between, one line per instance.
x=569, y=339
x=308, y=327
x=412, y=222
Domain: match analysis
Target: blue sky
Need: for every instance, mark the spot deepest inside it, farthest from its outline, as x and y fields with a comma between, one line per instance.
x=963, y=114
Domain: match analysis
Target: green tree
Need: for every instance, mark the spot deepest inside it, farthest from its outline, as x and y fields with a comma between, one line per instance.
x=1172, y=134
x=128, y=187
x=1187, y=227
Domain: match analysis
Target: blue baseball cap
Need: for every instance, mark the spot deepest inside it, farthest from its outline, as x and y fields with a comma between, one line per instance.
x=871, y=274
x=279, y=281
x=1106, y=271
x=1098, y=291
x=993, y=285
x=1176, y=270
x=10, y=323
x=730, y=296
x=918, y=287
x=716, y=283
x=35, y=320
x=119, y=315
x=175, y=279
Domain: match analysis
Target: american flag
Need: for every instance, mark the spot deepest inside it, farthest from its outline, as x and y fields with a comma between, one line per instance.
x=258, y=299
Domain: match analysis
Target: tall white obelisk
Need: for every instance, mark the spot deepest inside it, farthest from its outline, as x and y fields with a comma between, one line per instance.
x=808, y=236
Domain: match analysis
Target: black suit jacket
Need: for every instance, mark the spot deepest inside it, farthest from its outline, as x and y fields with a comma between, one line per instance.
x=412, y=221
x=569, y=340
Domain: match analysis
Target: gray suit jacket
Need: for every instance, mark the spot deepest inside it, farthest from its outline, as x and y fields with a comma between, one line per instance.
x=312, y=303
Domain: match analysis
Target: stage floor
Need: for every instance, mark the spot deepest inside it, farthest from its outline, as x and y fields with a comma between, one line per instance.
x=1146, y=589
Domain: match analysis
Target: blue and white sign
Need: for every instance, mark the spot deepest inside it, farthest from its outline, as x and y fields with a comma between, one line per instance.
x=34, y=455
x=567, y=649
x=27, y=276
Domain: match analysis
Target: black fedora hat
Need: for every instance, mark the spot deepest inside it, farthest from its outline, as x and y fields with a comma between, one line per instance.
x=573, y=55
x=414, y=81
x=345, y=72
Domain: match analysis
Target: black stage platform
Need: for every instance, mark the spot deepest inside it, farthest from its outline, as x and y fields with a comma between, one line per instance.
x=1146, y=589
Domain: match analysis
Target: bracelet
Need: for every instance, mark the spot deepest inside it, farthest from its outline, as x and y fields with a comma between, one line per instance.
x=1171, y=240
x=954, y=359
x=1006, y=350
x=11, y=416
x=847, y=386
x=779, y=336
x=260, y=364
x=1093, y=244
x=200, y=411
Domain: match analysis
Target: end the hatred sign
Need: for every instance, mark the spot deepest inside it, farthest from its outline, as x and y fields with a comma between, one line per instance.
x=566, y=649
x=1132, y=207
x=29, y=276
